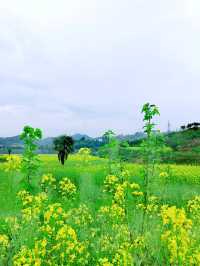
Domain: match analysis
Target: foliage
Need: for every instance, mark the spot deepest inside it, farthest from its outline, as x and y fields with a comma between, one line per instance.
x=30, y=161
x=9, y=149
x=149, y=110
x=111, y=150
x=191, y=126
x=63, y=145
x=3, y=158
x=150, y=151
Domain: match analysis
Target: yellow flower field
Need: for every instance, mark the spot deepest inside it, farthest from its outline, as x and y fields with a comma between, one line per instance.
x=80, y=214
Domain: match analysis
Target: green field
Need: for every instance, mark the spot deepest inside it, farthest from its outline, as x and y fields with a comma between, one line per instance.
x=107, y=224
x=182, y=183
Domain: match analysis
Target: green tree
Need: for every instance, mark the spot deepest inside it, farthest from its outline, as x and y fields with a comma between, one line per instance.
x=9, y=150
x=108, y=136
x=150, y=150
x=110, y=149
x=30, y=161
x=64, y=146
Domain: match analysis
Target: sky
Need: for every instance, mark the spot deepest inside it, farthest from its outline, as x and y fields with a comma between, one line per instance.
x=74, y=66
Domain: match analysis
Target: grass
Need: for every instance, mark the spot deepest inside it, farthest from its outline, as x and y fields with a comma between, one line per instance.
x=182, y=184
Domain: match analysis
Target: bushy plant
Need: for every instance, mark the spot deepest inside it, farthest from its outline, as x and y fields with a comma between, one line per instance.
x=30, y=161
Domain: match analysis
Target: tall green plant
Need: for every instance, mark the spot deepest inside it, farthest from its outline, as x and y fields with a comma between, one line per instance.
x=111, y=148
x=30, y=161
x=150, y=150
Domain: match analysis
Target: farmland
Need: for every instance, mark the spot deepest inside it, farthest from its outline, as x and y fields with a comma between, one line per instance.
x=79, y=214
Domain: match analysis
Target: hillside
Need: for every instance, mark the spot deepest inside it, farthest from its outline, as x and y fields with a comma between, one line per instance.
x=188, y=140
x=185, y=146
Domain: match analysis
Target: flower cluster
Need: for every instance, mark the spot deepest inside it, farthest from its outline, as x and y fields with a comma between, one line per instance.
x=122, y=190
x=57, y=242
x=53, y=214
x=120, y=193
x=84, y=151
x=105, y=262
x=48, y=181
x=13, y=163
x=4, y=245
x=67, y=188
x=85, y=155
x=80, y=216
x=151, y=207
x=115, y=212
x=117, y=245
x=176, y=234
x=125, y=174
x=31, y=205
x=27, y=257
x=194, y=208
x=163, y=175
x=110, y=183
x=139, y=242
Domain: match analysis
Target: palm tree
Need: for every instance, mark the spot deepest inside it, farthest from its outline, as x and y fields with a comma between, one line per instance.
x=9, y=150
x=63, y=145
x=108, y=136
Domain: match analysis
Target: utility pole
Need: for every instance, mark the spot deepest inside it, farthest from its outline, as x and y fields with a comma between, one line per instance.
x=168, y=127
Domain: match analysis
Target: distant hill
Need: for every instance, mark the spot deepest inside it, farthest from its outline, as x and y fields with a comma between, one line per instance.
x=187, y=140
x=46, y=141
x=131, y=137
x=46, y=144
x=9, y=141
x=79, y=136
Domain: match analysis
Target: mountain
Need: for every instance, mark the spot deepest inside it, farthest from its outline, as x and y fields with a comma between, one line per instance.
x=79, y=136
x=16, y=141
x=11, y=141
x=46, y=144
x=131, y=137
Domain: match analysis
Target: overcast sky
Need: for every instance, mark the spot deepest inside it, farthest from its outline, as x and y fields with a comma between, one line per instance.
x=70, y=66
